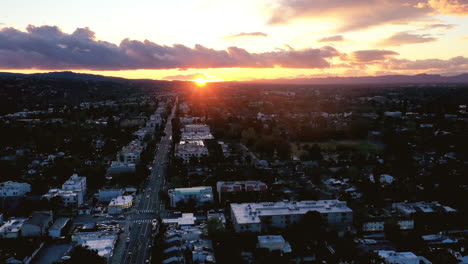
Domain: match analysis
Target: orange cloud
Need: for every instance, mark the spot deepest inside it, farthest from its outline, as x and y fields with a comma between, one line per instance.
x=453, y=7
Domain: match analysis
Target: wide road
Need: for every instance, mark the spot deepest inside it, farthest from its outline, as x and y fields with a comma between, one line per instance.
x=149, y=207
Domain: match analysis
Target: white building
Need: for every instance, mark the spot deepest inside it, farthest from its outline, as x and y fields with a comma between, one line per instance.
x=408, y=209
x=12, y=228
x=392, y=257
x=196, y=128
x=121, y=167
x=119, y=204
x=191, y=149
x=102, y=242
x=76, y=184
x=73, y=192
x=201, y=195
x=131, y=153
x=252, y=217
x=374, y=226
x=196, y=132
x=273, y=243
x=9, y=189
x=187, y=219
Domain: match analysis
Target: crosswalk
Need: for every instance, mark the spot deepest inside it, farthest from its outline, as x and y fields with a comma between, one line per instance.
x=146, y=211
x=142, y=221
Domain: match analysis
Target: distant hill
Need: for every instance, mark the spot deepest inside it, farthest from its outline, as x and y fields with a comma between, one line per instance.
x=386, y=79
x=63, y=75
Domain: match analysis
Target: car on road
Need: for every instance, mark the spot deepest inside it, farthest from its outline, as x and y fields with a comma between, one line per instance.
x=147, y=196
x=121, y=217
x=128, y=240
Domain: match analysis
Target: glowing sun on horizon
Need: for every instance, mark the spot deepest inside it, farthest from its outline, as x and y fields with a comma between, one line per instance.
x=200, y=81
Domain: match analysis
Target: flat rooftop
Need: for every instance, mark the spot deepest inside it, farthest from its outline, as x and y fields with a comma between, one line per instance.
x=250, y=212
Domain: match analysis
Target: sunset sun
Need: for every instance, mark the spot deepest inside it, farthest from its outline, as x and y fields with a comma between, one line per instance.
x=200, y=81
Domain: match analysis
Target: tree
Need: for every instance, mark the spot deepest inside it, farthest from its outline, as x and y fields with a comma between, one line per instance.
x=214, y=226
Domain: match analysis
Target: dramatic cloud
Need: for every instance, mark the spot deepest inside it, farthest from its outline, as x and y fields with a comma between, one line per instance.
x=356, y=14
x=452, y=7
x=247, y=34
x=427, y=64
x=47, y=47
x=335, y=38
x=403, y=38
x=370, y=56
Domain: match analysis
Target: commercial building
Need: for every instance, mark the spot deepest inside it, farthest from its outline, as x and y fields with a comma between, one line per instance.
x=119, y=204
x=37, y=224
x=257, y=217
x=191, y=149
x=11, y=189
x=239, y=186
x=274, y=243
x=106, y=195
x=56, y=230
x=12, y=228
x=73, y=192
x=200, y=195
x=392, y=257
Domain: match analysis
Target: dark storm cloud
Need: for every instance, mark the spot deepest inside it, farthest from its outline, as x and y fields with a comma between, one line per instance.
x=47, y=47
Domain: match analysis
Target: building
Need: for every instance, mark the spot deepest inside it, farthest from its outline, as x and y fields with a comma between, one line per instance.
x=154, y=121
x=200, y=195
x=273, y=243
x=106, y=195
x=379, y=225
x=9, y=189
x=37, y=224
x=187, y=219
x=103, y=242
x=257, y=217
x=196, y=132
x=118, y=167
x=130, y=154
x=191, y=149
x=119, y=204
x=239, y=186
x=12, y=228
x=376, y=219
x=409, y=209
x=76, y=184
x=196, y=128
x=73, y=192
x=392, y=257
x=56, y=230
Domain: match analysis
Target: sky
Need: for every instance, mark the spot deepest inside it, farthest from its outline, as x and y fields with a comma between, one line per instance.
x=226, y=40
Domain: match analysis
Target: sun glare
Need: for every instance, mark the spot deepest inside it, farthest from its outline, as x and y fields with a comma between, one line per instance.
x=200, y=81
